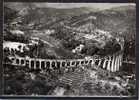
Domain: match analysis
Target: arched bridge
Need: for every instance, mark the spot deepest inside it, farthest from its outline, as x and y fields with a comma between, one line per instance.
x=111, y=62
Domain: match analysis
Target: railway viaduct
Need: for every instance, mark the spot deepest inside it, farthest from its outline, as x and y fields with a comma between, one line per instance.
x=111, y=62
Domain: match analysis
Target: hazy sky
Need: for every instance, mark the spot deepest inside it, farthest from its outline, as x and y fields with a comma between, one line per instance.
x=77, y=5
x=74, y=5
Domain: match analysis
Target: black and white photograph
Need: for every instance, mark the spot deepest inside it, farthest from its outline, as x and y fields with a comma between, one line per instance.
x=69, y=49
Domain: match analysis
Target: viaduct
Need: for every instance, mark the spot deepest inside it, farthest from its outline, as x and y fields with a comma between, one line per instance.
x=111, y=63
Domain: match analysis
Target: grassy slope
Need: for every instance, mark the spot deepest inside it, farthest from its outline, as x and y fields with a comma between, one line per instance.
x=121, y=19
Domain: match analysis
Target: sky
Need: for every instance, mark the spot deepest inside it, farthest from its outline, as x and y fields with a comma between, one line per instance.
x=77, y=5
x=100, y=6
